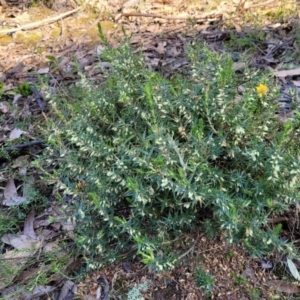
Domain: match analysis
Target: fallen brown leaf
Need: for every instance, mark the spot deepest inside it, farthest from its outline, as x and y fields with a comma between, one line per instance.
x=239, y=65
x=39, y=291
x=19, y=241
x=15, y=133
x=285, y=73
x=68, y=291
x=20, y=161
x=4, y=108
x=283, y=286
x=11, y=197
x=15, y=260
x=28, y=226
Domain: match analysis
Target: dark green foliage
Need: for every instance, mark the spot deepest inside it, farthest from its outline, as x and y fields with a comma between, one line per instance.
x=204, y=280
x=24, y=89
x=153, y=152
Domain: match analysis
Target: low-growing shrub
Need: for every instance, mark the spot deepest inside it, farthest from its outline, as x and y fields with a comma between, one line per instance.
x=203, y=280
x=142, y=156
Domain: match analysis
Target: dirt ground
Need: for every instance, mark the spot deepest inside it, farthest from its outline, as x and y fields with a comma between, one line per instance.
x=39, y=42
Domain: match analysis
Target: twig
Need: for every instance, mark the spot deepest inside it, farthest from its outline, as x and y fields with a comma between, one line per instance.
x=165, y=17
x=189, y=250
x=260, y=4
x=19, y=146
x=277, y=220
x=38, y=98
x=40, y=23
x=15, y=258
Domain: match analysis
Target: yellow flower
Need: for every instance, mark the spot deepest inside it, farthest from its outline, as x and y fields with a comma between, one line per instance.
x=261, y=90
x=81, y=184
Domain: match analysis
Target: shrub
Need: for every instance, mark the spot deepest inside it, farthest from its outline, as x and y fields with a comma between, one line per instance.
x=142, y=156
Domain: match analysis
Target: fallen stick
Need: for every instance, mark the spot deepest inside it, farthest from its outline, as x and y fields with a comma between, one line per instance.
x=19, y=146
x=40, y=23
x=260, y=4
x=190, y=249
x=38, y=98
x=168, y=17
